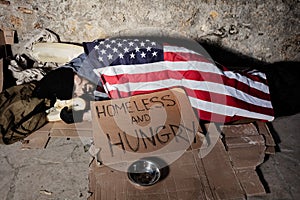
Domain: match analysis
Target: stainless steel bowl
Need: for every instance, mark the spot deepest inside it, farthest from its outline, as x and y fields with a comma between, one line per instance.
x=144, y=172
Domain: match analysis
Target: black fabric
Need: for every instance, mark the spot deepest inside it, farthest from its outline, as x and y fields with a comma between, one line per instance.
x=58, y=83
x=284, y=83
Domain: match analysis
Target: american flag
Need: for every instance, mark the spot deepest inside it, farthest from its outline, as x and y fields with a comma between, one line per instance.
x=138, y=66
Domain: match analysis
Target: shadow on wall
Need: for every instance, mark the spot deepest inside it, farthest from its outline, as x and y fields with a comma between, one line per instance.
x=234, y=60
x=231, y=59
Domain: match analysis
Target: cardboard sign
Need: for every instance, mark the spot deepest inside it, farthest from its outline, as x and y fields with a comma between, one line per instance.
x=156, y=124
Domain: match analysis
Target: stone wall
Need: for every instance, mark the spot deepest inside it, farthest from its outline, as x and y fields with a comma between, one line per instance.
x=266, y=30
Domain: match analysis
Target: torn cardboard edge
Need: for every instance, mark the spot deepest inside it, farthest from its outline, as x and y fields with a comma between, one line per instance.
x=249, y=134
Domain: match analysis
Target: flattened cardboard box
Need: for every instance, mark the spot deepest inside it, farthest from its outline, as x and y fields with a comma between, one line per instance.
x=59, y=129
x=190, y=174
x=189, y=177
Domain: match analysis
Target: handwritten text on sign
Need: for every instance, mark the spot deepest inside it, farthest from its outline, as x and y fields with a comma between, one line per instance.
x=156, y=123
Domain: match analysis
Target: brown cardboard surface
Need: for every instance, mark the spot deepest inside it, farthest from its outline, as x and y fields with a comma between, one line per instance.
x=197, y=173
x=244, y=141
x=36, y=140
x=250, y=182
x=239, y=130
x=61, y=129
x=221, y=176
x=215, y=176
x=189, y=177
x=152, y=124
x=183, y=182
x=6, y=37
x=246, y=148
x=270, y=150
x=40, y=138
x=247, y=157
x=264, y=130
x=246, y=151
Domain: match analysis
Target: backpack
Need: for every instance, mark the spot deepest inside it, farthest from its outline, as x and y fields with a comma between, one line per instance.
x=21, y=113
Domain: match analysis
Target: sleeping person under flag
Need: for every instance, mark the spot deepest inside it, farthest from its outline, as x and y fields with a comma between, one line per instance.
x=130, y=66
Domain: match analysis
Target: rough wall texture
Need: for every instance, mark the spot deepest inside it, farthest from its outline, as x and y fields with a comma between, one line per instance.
x=266, y=30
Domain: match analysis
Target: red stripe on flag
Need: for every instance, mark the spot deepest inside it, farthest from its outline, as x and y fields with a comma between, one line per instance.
x=183, y=56
x=189, y=75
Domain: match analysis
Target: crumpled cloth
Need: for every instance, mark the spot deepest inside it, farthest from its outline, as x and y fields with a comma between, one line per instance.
x=24, y=67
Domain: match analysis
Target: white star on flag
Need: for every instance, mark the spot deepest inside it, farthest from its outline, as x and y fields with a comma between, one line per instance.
x=115, y=50
x=130, y=44
x=132, y=55
x=103, y=51
x=109, y=56
x=143, y=55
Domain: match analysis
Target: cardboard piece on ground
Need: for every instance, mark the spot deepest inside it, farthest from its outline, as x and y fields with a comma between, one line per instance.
x=6, y=37
x=246, y=152
x=246, y=149
x=239, y=130
x=250, y=182
x=38, y=139
x=144, y=125
x=61, y=129
x=264, y=130
x=182, y=182
x=221, y=176
x=270, y=150
x=247, y=157
x=216, y=171
x=244, y=141
x=41, y=137
x=211, y=177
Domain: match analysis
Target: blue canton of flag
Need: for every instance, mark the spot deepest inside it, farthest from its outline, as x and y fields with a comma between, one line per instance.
x=118, y=51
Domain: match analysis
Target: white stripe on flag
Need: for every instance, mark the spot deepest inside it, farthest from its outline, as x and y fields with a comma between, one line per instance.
x=178, y=66
x=226, y=110
x=254, y=84
x=179, y=49
x=191, y=84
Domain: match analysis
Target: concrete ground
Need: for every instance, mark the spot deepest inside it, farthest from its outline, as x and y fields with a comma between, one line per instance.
x=61, y=170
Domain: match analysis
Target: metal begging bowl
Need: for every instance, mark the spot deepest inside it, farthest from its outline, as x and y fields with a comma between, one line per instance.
x=144, y=172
